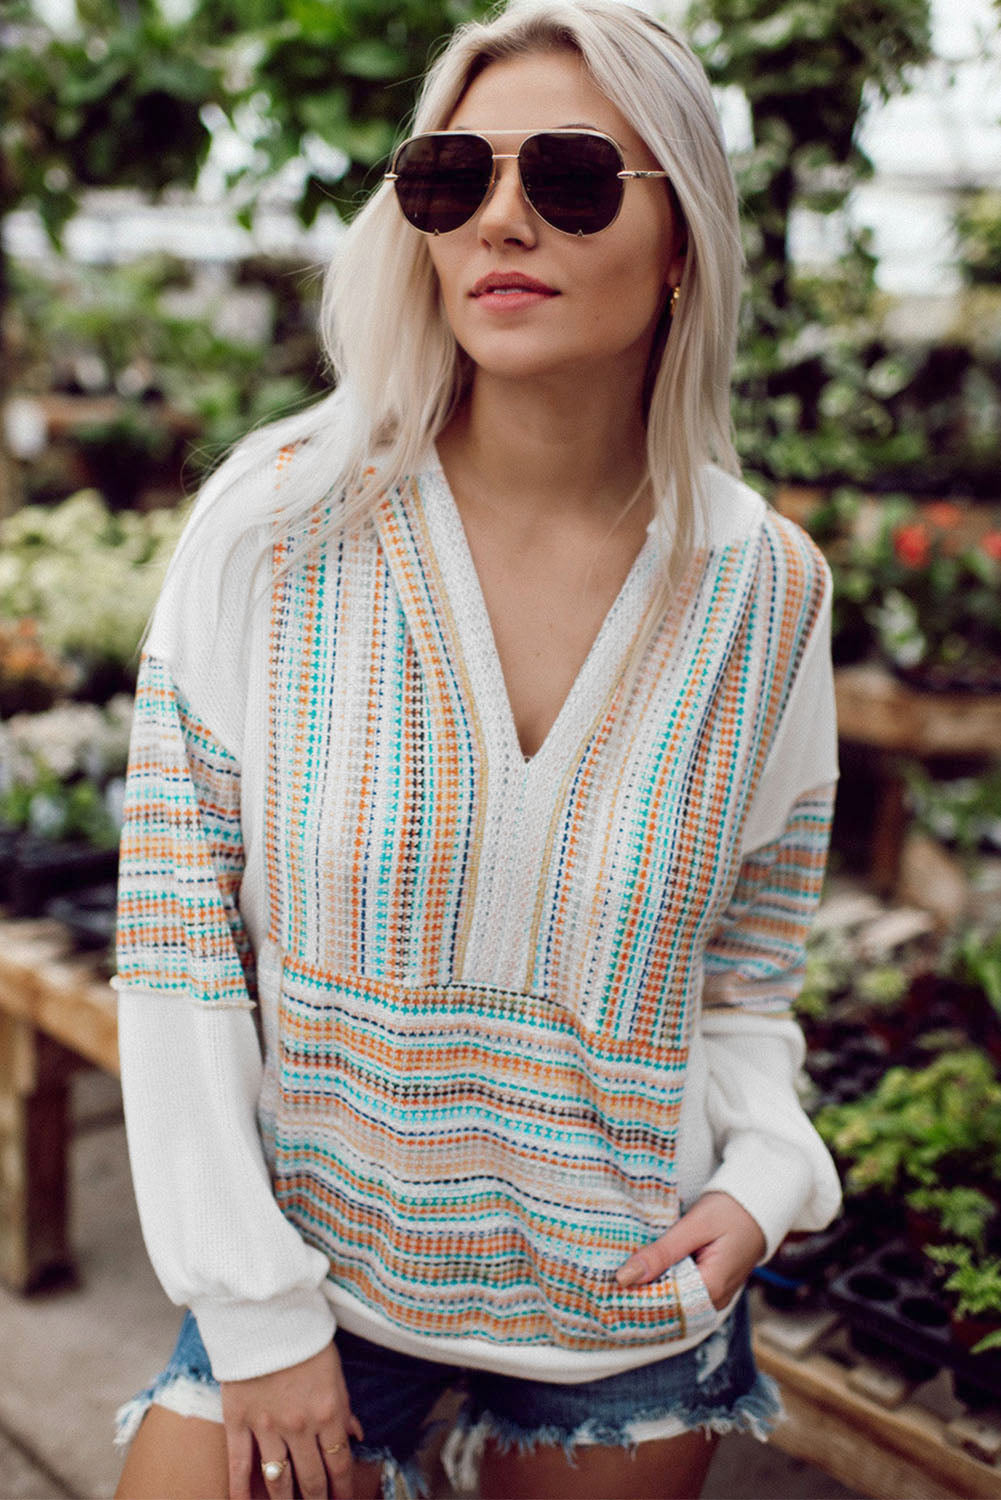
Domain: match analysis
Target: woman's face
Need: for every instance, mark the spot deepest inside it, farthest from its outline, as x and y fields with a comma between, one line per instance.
x=603, y=293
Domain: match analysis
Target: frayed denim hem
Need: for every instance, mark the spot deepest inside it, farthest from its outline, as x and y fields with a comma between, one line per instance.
x=193, y=1394
x=757, y=1413
x=190, y=1393
x=400, y=1480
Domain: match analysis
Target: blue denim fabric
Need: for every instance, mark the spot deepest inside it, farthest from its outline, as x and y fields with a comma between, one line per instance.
x=715, y=1386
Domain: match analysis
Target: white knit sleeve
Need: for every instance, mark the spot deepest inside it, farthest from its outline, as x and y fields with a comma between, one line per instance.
x=191, y=1062
x=770, y=1157
x=215, y=1235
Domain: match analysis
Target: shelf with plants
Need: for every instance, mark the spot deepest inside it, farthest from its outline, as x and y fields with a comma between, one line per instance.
x=77, y=584
x=902, y=1080
x=61, y=790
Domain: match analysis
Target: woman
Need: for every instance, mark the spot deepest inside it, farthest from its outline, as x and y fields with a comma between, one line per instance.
x=478, y=806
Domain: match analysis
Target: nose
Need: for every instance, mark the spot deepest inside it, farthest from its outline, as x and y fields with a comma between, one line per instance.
x=506, y=215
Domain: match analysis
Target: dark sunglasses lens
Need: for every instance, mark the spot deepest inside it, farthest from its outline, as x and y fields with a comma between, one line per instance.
x=441, y=180
x=572, y=180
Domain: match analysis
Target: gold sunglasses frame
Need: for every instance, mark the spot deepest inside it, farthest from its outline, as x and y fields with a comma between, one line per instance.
x=625, y=173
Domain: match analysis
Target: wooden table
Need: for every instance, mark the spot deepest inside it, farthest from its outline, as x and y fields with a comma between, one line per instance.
x=56, y=1015
x=879, y=711
x=858, y=1421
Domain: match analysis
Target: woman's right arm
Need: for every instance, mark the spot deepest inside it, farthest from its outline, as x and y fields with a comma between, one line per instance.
x=191, y=1069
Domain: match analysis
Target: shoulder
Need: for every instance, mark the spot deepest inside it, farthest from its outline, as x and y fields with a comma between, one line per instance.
x=792, y=575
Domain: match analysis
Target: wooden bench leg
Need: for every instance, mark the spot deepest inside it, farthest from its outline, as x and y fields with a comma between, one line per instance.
x=34, y=1141
x=890, y=830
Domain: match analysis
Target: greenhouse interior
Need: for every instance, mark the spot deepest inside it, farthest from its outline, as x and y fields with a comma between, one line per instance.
x=173, y=180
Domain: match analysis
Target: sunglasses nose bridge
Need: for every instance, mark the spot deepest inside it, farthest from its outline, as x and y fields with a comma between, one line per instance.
x=505, y=170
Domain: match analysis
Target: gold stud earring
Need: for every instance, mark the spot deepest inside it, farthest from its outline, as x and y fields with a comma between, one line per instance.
x=672, y=306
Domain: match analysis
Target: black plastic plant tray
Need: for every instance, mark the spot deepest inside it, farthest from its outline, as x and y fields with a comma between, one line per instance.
x=89, y=914
x=37, y=869
x=892, y=1298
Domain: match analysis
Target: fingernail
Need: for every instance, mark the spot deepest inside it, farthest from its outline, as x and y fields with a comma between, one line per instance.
x=628, y=1275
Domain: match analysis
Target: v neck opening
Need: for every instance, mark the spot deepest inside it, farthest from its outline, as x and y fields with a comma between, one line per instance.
x=468, y=600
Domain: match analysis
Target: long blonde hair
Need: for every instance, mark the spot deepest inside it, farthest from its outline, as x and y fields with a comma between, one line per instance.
x=398, y=370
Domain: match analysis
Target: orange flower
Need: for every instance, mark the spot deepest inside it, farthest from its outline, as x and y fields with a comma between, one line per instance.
x=991, y=543
x=911, y=544
x=945, y=514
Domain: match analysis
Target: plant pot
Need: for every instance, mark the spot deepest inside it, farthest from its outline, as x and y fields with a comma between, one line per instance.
x=893, y=1303
x=967, y=1331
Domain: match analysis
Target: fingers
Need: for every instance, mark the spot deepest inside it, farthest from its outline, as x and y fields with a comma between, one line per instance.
x=276, y=1468
x=723, y=1238
x=339, y=1465
x=240, y=1458
x=312, y=1468
x=682, y=1239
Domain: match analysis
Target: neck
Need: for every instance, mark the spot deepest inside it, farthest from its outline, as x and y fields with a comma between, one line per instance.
x=556, y=450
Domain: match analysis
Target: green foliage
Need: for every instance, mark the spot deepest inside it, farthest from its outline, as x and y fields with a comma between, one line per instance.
x=120, y=325
x=974, y=957
x=961, y=1212
x=117, y=103
x=828, y=972
x=978, y=226
x=87, y=577
x=918, y=1125
x=976, y=1285
x=962, y=811
x=61, y=771
x=881, y=988
x=913, y=585
x=811, y=379
x=343, y=71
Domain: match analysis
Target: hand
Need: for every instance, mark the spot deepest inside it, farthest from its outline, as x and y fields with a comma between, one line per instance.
x=293, y=1414
x=724, y=1240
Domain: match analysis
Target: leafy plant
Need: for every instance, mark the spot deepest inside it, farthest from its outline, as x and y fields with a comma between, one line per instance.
x=61, y=771
x=974, y=958
x=978, y=227
x=881, y=988
x=811, y=380
x=963, y=811
x=920, y=1127
x=828, y=971
x=86, y=577
x=962, y=1212
x=976, y=1286
x=922, y=583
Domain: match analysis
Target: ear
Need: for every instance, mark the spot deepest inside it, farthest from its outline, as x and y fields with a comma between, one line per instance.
x=676, y=265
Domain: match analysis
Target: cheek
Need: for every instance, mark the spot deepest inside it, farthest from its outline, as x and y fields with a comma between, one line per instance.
x=630, y=292
x=447, y=279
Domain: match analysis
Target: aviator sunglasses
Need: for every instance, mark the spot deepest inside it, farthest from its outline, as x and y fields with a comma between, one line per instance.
x=574, y=179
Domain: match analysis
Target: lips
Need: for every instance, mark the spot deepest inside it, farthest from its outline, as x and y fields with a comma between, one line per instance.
x=499, y=282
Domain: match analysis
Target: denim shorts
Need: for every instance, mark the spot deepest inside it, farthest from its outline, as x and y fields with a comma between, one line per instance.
x=715, y=1386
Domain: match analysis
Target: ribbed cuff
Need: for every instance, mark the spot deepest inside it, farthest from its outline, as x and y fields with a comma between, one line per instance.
x=244, y=1339
x=770, y=1179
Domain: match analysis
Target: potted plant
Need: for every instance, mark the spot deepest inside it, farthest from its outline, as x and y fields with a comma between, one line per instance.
x=974, y=1286
x=933, y=1127
x=60, y=799
x=937, y=616
x=940, y=1215
x=88, y=578
x=31, y=676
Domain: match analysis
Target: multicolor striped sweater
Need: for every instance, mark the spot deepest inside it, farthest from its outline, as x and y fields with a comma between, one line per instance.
x=425, y=1036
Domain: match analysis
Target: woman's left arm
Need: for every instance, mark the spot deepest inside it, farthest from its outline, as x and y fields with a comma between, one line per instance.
x=774, y=1171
